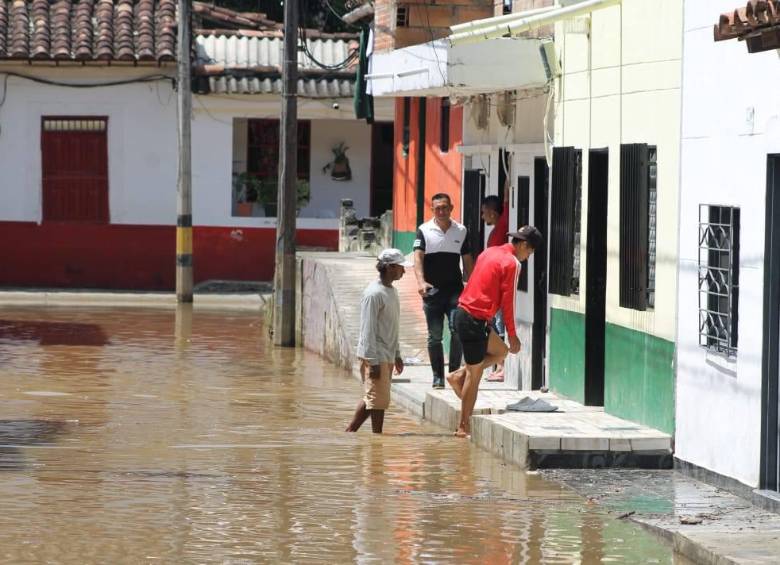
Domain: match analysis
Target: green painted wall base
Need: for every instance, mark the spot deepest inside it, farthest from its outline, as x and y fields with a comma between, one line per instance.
x=567, y=354
x=403, y=240
x=638, y=370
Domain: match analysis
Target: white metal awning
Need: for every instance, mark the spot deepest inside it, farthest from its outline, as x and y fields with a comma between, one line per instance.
x=438, y=68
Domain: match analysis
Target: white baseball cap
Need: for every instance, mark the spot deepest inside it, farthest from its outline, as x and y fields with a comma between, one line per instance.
x=393, y=257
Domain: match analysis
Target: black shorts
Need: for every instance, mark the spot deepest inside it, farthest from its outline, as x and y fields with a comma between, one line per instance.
x=473, y=336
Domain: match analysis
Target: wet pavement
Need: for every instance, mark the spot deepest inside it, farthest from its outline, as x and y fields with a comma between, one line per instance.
x=132, y=435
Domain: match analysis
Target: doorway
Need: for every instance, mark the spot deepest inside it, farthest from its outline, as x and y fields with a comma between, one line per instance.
x=539, y=341
x=381, y=168
x=770, y=364
x=596, y=276
x=473, y=194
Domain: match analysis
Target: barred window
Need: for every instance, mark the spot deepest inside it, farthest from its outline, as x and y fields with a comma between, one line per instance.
x=638, y=217
x=406, y=133
x=565, y=221
x=402, y=16
x=718, y=278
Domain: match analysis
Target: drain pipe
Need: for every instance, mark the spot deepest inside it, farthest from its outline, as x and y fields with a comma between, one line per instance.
x=525, y=22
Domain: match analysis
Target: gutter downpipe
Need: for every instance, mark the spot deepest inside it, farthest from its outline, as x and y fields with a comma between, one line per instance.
x=495, y=20
x=525, y=23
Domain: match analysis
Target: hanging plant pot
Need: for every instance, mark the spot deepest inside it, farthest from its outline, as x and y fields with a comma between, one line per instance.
x=339, y=167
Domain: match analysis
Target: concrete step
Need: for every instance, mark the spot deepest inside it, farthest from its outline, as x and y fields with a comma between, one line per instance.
x=575, y=436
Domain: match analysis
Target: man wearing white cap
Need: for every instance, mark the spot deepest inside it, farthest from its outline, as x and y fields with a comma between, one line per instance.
x=377, y=350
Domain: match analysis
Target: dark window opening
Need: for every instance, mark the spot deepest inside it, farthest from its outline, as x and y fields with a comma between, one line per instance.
x=263, y=149
x=406, y=134
x=507, y=7
x=718, y=278
x=402, y=16
x=444, y=126
x=565, y=221
x=523, y=218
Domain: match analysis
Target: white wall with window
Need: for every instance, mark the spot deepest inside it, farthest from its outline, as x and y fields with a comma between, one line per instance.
x=729, y=128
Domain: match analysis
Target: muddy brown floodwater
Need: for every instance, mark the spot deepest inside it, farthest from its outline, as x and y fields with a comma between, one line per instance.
x=131, y=436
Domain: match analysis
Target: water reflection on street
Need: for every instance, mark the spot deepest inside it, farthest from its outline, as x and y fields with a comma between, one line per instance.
x=138, y=435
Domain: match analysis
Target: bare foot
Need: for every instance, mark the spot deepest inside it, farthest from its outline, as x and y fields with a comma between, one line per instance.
x=456, y=380
x=461, y=433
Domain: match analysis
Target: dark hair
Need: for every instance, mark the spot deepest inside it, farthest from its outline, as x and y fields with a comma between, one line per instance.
x=441, y=196
x=494, y=203
x=381, y=267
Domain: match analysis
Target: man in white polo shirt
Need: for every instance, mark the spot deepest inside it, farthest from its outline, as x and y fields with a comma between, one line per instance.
x=438, y=248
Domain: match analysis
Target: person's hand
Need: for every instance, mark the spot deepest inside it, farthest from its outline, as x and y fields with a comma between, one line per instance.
x=514, y=344
x=373, y=372
x=399, y=366
x=423, y=288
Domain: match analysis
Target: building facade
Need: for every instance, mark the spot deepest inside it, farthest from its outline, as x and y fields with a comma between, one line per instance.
x=727, y=338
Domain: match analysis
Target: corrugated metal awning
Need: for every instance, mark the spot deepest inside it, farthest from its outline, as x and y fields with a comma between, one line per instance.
x=252, y=65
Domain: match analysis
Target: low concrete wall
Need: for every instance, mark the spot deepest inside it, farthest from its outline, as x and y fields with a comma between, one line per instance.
x=320, y=328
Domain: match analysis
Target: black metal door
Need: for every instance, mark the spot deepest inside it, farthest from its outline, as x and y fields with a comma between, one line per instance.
x=770, y=386
x=596, y=276
x=539, y=342
x=473, y=193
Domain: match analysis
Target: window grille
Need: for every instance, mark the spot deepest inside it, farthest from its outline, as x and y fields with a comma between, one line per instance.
x=718, y=278
x=638, y=199
x=565, y=221
x=652, y=221
x=406, y=134
x=402, y=16
x=444, y=126
x=75, y=124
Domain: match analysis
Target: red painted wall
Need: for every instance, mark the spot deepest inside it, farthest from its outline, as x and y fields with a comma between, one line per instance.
x=443, y=170
x=137, y=257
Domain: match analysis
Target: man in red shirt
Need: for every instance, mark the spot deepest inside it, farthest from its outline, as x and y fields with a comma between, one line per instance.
x=492, y=286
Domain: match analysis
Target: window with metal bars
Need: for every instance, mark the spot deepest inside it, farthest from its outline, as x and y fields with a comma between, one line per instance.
x=402, y=16
x=718, y=278
x=406, y=133
x=444, y=126
x=638, y=217
x=565, y=221
x=523, y=219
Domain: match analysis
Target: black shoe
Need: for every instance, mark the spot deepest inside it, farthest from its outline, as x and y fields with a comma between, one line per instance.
x=438, y=382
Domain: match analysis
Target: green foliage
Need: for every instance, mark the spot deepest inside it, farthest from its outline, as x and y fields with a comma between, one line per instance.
x=269, y=190
x=246, y=187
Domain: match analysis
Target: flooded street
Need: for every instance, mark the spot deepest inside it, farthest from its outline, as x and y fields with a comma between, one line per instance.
x=123, y=442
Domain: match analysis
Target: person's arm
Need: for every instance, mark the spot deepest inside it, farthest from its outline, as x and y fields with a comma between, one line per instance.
x=369, y=318
x=468, y=266
x=509, y=277
x=419, y=258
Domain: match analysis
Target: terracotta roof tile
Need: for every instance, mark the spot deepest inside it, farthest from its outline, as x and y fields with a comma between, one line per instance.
x=84, y=30
x=757, y=23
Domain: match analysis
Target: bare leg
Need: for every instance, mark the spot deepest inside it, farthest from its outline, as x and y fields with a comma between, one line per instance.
x=377, y=419
x=469, y=397
x=496, y=352
x=361, y=414
x=456, y=380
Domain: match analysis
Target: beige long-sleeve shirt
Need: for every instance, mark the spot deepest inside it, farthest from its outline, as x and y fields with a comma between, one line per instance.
x=380, y=315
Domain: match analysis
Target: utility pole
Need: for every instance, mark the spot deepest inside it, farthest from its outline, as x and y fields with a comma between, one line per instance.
x=184, y=185
x=284, y=275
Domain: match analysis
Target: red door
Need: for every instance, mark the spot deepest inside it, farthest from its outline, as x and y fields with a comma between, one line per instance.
x=75, y=169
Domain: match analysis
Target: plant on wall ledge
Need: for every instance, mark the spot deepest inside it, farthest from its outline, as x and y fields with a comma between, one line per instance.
x=246, y=188
x=339, y=166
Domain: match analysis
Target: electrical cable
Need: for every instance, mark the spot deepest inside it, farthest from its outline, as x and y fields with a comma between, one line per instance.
x=150, y=78
x=305, y=48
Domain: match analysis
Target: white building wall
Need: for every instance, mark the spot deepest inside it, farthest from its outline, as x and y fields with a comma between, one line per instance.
x=724, y=156
x=142, y=147
x=141, y=141
x=621, y=84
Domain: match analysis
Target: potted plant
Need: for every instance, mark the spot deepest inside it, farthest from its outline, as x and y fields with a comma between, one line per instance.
x=269, y=190
x=339, y=167
x=246, y=187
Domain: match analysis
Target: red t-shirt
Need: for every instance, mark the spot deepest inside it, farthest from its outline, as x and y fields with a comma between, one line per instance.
x=498, y=235
x=492, y=285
